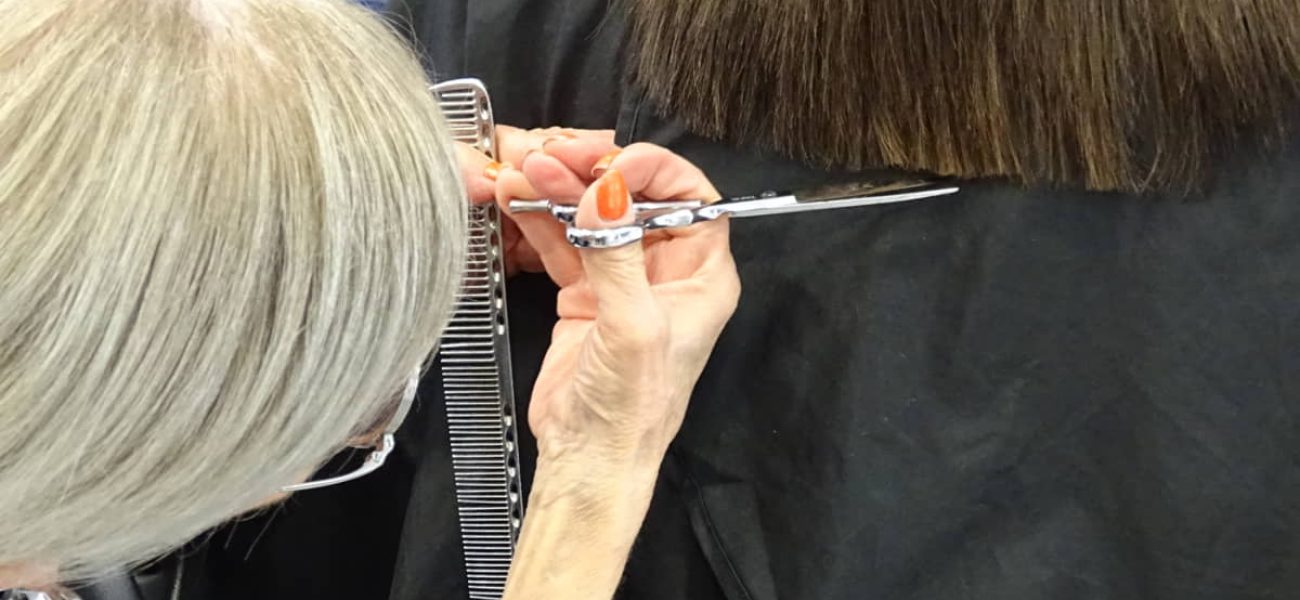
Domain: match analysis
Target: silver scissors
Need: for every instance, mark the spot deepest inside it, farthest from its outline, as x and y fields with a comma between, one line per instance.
x=669, y=215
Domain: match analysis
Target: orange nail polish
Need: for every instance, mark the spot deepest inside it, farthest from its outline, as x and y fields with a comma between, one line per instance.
x=602, y=165
x=494, y=168
x=612, y=199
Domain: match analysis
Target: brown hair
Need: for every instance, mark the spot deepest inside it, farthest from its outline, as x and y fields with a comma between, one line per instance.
x=1123, y=95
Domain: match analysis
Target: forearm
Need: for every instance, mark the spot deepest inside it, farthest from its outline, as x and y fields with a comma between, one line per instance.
x=583, y=518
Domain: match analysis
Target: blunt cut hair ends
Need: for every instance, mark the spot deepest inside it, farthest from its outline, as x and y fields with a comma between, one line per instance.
x=1126, y=95
x=229, y=230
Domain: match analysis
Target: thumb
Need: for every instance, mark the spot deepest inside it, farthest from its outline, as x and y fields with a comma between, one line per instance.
x=617, y=275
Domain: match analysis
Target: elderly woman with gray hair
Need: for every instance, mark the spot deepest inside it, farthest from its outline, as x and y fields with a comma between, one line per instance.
x=230, y=233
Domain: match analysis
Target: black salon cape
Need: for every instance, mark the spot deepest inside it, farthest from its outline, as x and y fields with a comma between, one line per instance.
x=1041, y=394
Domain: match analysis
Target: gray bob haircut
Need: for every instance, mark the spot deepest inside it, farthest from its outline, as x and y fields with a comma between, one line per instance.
x=229, y=230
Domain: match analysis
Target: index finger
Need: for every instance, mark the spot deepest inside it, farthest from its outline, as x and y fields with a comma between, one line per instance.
x=656, y=173
x=473, y=163
x=514, y=144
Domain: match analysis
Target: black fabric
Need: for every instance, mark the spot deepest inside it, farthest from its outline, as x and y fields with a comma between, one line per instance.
x=546, y=62
x=121, y=587
x=1037, y=394
x=1008, y=394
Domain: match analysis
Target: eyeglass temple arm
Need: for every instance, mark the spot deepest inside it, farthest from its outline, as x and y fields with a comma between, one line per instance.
x=374, y=461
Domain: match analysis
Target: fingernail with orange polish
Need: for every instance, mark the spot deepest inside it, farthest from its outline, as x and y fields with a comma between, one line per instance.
x=494, y=168
x=612, y=199
x=602, y=165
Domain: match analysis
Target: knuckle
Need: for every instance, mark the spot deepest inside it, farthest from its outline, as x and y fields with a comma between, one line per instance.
x=648, y=149
x=640, y=335
x=647, y=334
x=643, y=147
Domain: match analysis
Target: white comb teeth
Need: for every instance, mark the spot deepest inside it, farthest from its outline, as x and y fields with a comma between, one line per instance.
x=476, y=374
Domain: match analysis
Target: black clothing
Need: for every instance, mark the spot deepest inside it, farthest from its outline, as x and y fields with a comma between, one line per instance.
x=1011, y=393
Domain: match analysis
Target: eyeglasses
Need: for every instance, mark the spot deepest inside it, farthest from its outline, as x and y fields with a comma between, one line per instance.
x=379, y=453
x=376, y=459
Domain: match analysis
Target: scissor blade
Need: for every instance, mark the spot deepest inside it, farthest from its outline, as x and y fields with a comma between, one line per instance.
x=830, y=198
